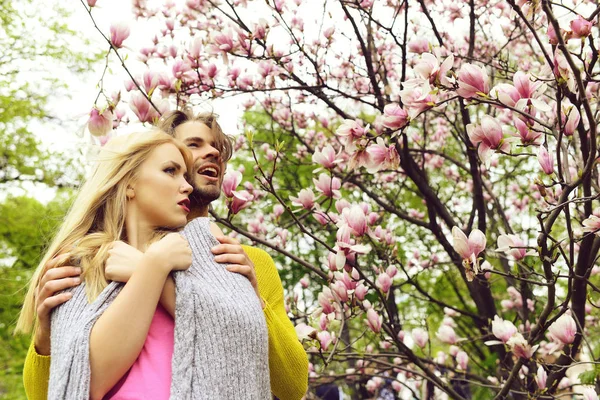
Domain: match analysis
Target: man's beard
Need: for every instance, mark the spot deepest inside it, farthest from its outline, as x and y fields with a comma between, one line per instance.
x=204, y=195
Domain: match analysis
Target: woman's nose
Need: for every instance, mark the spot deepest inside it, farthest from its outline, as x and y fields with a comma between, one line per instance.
x=186, y=187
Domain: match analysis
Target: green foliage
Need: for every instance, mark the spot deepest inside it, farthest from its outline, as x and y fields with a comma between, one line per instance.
x=26, y=225
x=589, y=377
x=36, y=48
x=33, y=44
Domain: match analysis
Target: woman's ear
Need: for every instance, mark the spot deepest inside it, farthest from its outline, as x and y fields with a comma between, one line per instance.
x=130, y=193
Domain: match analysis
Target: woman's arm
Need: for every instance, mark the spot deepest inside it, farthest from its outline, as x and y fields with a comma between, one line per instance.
x=131, y=261
x=119, y=334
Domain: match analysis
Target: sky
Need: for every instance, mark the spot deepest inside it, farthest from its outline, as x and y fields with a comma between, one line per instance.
x=67, y=132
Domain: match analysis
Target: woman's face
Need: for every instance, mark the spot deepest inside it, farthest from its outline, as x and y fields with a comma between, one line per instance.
x=159, y=195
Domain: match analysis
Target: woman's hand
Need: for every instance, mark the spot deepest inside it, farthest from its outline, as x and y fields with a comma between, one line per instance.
x=54, y=280
x=123, y=259
x=231, y=252
x=173, y=252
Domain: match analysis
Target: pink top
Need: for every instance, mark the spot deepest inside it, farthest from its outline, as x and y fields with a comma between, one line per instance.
x=150, y=375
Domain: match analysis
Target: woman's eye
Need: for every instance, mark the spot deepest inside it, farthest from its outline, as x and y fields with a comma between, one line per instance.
x=170, y=170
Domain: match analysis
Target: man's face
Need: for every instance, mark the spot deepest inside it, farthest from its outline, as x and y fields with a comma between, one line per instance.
x=208, y=171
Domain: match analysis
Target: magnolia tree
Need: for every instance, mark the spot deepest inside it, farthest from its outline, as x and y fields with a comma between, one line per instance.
x=425, y=172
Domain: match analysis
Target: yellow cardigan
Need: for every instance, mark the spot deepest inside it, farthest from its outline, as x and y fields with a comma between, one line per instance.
x=288, y=364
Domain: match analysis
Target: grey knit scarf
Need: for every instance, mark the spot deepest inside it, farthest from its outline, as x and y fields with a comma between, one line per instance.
x=221, y=339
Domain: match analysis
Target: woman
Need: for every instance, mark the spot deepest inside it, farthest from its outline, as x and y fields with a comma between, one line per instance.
x=137, y=190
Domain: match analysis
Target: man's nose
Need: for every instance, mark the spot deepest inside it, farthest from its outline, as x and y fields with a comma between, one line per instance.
x=211, y=151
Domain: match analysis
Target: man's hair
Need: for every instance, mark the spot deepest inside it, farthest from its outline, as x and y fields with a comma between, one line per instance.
x=172, y=119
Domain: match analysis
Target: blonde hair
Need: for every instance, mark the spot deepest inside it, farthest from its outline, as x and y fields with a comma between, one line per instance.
x=97, y=216
x=172, y=119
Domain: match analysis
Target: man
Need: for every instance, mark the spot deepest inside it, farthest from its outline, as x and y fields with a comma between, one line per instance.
x=211, y=150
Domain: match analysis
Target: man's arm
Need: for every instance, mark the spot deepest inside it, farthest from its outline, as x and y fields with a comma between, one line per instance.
x=36, y=373
x=288, y=363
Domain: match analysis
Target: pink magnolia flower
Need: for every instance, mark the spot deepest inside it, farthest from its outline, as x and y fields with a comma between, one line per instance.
x=391, y=271
x=305, y=199
x=525, y=87
x=330, y=187
x=221, y=42
x=340, y=291
x=100, y=123
x=552, y=38
x=570, y=117
x=142, y=108
x=472, y=81
x=325, y=300
x=304, y=331
x=374, y=320
x=356, y=219
x=240, y=200
x=429, y=68
x=260, y=29
x=520, y=347
x=326, y=157
x=360, y=291
x=231, y=180
x=420, y=337
x=151, y=80
x=462, y=359
x=195, y=50
x=468, y=247
x=512, y=245
x=503, y=329
x=182, y=69
x=541, y=377
x=325, y=338
x=417, y=97
x=119, y=31
x=446, y=334
x=91, y=3
x=394, y=117
x=526, y=134
x=506, y=94
x=591, y=224
x=580, y=28
x=562, y=70
x=546, y=160
x=351, y=129
x=488, y=135
x=304, y=282
x=589, y=394
x=384, y=282
x=564, y=329
x=420, y=45
x=382, y=156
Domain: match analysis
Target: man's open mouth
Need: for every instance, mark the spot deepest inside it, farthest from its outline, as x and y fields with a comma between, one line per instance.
x=210, y=170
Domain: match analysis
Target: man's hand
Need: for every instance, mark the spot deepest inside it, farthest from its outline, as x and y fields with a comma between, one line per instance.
x=230, y=252
x=54, y=280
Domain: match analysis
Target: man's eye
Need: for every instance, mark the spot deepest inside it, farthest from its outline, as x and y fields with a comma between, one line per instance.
x=170, y=170
x=192, y=145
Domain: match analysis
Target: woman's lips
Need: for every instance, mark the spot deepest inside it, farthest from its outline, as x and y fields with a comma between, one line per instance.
x=185, y=204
